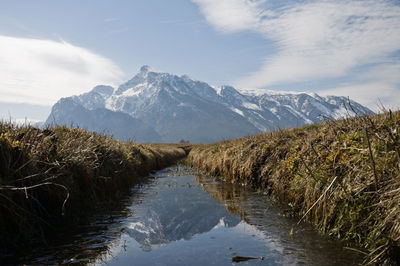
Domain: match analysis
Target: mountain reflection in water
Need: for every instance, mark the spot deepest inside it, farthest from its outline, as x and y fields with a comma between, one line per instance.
x=184, y=218
x=180, y=217
x=174, y=208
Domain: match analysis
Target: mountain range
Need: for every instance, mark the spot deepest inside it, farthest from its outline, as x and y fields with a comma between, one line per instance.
x=162, y=107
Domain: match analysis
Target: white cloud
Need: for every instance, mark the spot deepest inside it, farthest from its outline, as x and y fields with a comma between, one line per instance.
x=379, y=85
x=231, y=15
x=315, y=39
x=373, y=95
x=42, y=71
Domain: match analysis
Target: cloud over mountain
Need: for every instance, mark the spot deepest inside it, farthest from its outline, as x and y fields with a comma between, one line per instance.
x=317, y=40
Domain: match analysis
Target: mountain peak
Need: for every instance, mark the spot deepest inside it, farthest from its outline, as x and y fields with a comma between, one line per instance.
x=103, y=89
x=145, y=69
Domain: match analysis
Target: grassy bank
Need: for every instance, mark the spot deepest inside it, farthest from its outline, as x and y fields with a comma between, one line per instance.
x=56, y=176
x=342, y=176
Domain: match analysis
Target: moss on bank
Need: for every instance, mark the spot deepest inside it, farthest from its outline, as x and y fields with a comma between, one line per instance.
x=342, y=176
x=57, y=175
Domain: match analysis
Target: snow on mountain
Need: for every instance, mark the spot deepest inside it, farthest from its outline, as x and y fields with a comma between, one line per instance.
x=178, y=107
x=70, y=112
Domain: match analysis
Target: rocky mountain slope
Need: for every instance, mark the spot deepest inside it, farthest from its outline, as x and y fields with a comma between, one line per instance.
x=167, y=108
x=117, y=124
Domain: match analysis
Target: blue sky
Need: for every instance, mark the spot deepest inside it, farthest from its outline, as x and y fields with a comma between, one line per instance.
x=51, y=49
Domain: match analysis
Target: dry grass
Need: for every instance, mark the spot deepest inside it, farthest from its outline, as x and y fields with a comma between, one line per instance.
x=342, y=176
x=55, y=176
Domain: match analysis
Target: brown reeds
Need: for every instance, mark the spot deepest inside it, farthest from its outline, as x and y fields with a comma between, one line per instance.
x=57, y=175
x=343, y=176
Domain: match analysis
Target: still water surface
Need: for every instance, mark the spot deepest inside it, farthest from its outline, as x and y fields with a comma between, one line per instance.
x=180, y=217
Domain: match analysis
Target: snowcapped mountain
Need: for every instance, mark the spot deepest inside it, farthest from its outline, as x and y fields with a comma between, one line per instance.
x=119, y=125
x=178, y=107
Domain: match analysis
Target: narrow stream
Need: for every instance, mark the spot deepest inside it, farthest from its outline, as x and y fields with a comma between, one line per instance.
x=179, y=217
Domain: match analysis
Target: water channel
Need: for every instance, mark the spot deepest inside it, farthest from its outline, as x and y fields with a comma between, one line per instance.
x=178, y=216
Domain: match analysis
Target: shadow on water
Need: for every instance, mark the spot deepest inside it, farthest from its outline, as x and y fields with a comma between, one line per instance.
x=180, y=217
x=80, y=244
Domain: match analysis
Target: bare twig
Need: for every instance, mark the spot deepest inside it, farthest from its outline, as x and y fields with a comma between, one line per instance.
x=357, y=250
x=308, y=168
x=374, y=260
x=372, y=159
x=313, y=149
x=351, y=107
x=315, y=203
x=39, y=185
